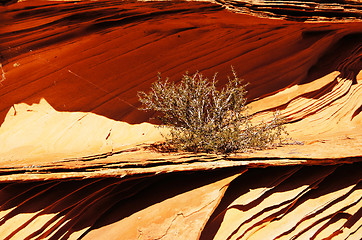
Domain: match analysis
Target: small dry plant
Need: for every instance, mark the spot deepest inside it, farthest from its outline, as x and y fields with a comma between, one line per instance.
x=202, y=118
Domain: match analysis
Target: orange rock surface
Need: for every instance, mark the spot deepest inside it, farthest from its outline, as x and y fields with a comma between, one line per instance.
x=73, y=157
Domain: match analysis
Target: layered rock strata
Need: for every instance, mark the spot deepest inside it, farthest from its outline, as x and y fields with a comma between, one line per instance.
x=299, y=10
x=75, y=156
x=285, y=202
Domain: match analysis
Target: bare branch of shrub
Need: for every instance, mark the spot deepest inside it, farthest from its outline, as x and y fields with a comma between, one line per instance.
x=202, y=118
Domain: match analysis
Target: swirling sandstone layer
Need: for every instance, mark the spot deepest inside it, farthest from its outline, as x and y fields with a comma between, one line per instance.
x=299, y=10
x=294, y=202
x=74, y=162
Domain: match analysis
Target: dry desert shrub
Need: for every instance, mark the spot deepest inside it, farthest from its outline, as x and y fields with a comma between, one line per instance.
x=202, y=118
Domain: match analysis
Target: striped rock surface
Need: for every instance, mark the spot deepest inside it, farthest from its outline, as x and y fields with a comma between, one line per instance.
x=74, y=155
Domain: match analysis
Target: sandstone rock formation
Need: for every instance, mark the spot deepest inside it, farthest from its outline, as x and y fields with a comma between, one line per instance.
x=299, y=10
x=74, y=156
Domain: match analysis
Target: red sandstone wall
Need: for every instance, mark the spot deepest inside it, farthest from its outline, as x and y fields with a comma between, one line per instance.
x=68, y=173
